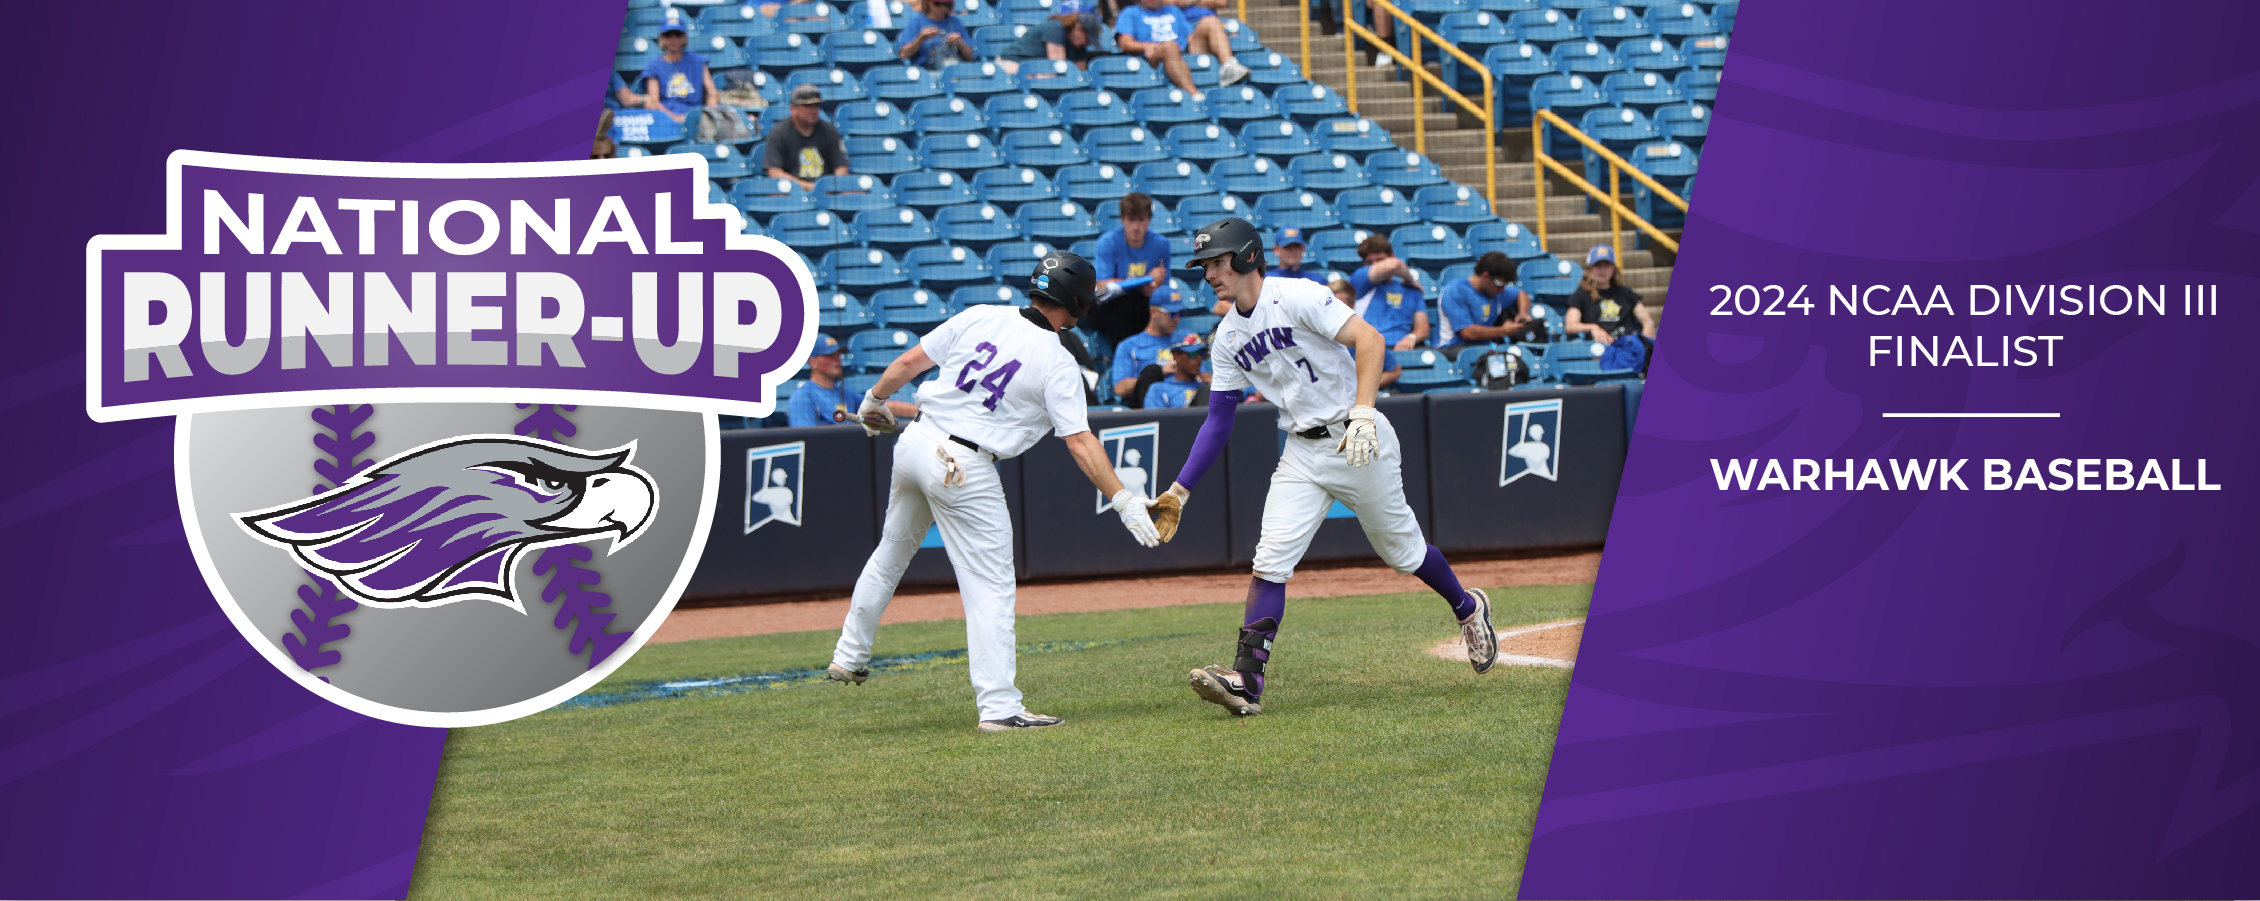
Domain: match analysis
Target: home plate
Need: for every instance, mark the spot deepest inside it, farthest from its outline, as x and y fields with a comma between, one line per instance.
x=1546, y=644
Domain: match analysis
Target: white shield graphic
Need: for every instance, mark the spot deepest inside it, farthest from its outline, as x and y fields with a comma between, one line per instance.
x=1531, y=442
x=1136, y=452
x=773, y=489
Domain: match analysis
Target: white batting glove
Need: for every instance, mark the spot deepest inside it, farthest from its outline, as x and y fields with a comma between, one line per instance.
x=1132, y=506
x=874, y=416
x=1359, y=438
x=1109, y=291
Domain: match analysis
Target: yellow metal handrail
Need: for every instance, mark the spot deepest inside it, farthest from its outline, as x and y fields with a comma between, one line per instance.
x=1617, y=210
x=1351, y=30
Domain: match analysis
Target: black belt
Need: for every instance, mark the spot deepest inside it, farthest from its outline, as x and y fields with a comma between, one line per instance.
x=1316, y=432
x=976, y=448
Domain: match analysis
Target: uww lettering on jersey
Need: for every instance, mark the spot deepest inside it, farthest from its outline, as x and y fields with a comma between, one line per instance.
x=1261, y=344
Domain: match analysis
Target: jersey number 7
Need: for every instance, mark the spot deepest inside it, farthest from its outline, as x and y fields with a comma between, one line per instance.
x=995, y=382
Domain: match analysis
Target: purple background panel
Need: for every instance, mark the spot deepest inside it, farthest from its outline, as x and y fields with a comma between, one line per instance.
x=1948, y=694
x=145, y=750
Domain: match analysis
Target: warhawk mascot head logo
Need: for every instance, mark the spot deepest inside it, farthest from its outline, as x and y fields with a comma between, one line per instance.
x=447, y=522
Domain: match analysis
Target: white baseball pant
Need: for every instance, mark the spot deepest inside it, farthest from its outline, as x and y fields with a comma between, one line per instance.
x=1311, y=476
x=976, y=527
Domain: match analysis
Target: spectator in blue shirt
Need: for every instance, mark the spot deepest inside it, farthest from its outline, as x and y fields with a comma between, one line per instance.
x=932, y=37
x=1288, y=246
x=1137, y=357
x=823, y=394
x=1162, y=34
x=1067, y=37
x=1483, y=308
x=1388, y=296
x=677, y=81
x=1127, y=253
x=1186, y=381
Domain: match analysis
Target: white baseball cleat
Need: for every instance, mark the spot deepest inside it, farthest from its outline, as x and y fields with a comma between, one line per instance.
x=1475, y=630
x=838, y=673
x=1022, y=720
x=1225, y=688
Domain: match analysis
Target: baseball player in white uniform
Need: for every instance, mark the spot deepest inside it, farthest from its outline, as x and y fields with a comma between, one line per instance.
x=1005, y=378
x=1291, y=340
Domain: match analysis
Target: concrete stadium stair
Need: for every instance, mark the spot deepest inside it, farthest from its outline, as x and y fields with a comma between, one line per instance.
x=1455, y=142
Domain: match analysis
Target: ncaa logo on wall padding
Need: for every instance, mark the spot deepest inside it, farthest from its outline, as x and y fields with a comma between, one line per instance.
x=1531, y=442
x=445, y=441
x=1136, y=452
x=773, y=491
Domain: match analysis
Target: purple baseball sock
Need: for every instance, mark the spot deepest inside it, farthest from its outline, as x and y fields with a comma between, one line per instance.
x=1267, y=603
x=1438, y=575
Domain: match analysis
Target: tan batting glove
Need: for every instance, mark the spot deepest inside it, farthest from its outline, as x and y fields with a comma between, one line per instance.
x=874, y=416
x=1360, y=440
x=1132, y=507
x=1168, y=508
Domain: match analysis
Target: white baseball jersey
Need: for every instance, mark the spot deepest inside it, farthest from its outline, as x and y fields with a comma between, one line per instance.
x=1285, y=348
x=1003, y=378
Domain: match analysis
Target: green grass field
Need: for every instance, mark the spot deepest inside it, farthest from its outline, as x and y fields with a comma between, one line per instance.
x=1376, y=770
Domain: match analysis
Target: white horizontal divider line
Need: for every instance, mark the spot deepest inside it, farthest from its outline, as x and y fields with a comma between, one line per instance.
x=1973, y=415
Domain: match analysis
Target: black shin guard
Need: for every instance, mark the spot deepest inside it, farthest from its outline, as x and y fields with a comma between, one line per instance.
x=1255, y=646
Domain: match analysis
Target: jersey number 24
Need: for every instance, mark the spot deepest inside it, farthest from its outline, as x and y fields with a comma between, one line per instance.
x=996, y=380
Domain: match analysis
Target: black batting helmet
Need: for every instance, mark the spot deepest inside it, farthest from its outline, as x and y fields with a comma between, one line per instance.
x=1065, y=279
x=1230, y=236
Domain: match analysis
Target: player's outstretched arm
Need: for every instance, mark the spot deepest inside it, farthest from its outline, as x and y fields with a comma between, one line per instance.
x=1091, y=458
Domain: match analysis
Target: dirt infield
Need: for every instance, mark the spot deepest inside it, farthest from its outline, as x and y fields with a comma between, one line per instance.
x=1546, y=644
x=1128, y=593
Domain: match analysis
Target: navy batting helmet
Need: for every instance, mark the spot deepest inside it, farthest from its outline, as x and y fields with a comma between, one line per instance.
x=1230, y=236
x=1066, y=280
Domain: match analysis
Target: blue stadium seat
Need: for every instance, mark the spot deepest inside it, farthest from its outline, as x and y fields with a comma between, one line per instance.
x=1429, y=245
x=1004, y=295
x=1723, y=15
x=1653, y=54
x=1403, y=170
x=976, y=225
x=946, y=268
x=1475, y=33
x=1086, y=110
x=1687, y=123
x=762, y=198
x=837, y=85
x=646, y=127
x=928, y=190
x=864, y=269
x=1240, y=104
x=1352, y=134
x=873, y=350
x=1053, y=79
x=1020, y=112
x=1517, y=67
x=1575, y=5
x=1242, y=38
x=1011, y=187
x=715, y=193
x=1568, y=96
x=1013, y=261
x=1643, y=91
x=901, y=84
x=1124, y=146
x=1453, y=205
x=720, y=52
x=1046, y=151
x=1280, y=139
x=851, y=194
x=1159, y=108
x=895, y=231
x=869, y=117
x=1445, y=375
x=961, y=153
x=1509, y=238
x=1202, y=143
x=1671, y=164
x=1125, y=75
x=1269, y=70
x=1309, y=104
x=1169, y=180
x=1591, y=59
x=1206, y=71
x=1296, y=209
x=1545, y=28
x=1611, y=23
x=1200, y=210
x=655, y=14
x=1250, y=177
x=1088, y=248
x=752, y=227
x=1553, y=280
x=1328, y=174
x=740, y=20
x=817, y=20
x=811, y=231
x=1030, y=12
x=1698, y=85
x=976, y=14
x=1680, y=20
x=991, y=41
x=947, y=115
x=1165, y=221
x=840, y=315
x=880, y=156
x=778, y=54
x=979, y=81
x=1337, y=248
x=1057, y=223
x=856, y=51
x=1376, y=208
x=1092, y=183
x=771, y=117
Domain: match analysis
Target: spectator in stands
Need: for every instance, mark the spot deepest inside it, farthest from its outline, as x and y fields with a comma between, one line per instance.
x=1289, y=247
x=1163, y=35
x=1136, y=357
x=823, y=394
x=1063, y=37
x=620, y=96
x=1483, y=308
x=1604, y=310
x=932, y=37
x=1186, y=385
x=676, y=81
x=1127, y=254
x=1389, y=296
x=1390, y=371
x=804, y=147
x=604, y=149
